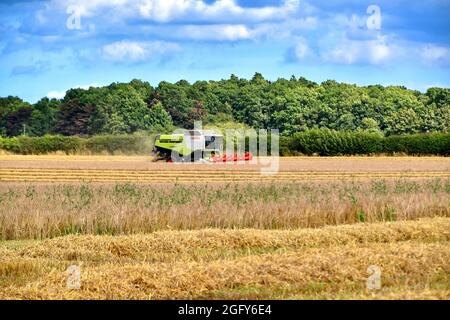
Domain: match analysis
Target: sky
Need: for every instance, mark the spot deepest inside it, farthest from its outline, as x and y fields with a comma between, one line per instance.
x=50, y=46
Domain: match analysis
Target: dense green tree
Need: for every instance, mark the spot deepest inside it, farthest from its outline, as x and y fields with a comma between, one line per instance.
x=437, y=113
x=16, y=121
x=439, y=96
x=197, y=112
x=8, y=107
x=291, y=105
x=346, y=122
x=74, y=118
x=43, y=117
x=143, y=88
x=123, y=111
x=175, y=99
x=158, y=119
x=370, y=124
x=402, y=121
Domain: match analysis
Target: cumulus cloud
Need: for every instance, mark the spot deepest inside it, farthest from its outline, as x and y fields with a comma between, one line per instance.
x=234, y=32
x=136, y=51
x=220, y=10
x=374, y=52
x=171, y=10
x=230, y=32
x=385, y=50
x=216, y=20
x=300, y=51
x=341, y=37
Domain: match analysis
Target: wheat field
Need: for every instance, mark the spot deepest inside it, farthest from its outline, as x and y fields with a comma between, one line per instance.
x=143, y=230
x=34, y=211
x=324, y=263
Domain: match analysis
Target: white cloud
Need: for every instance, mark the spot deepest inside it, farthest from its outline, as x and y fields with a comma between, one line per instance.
x=136, y=51
x=235, y=32
x=349, y=22
x=432, y=54
x=383, y=50
x=217, y=11
x=301, y=49
x=172, y=10
x=307, y=23
x=366, y=51
x=88, y=8
x=218, y=20
x=285, y=29
x=56, y=94
x=216, y=32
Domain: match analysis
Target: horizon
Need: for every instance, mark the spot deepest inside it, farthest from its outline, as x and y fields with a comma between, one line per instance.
x=50, y=46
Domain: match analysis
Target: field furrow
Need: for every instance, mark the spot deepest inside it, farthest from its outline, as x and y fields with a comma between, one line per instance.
x=48, y=175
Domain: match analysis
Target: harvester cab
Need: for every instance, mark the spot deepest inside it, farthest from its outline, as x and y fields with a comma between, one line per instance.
x=192, y=145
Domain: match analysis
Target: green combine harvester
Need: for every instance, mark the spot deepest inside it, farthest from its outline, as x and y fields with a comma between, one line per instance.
x=194, y=146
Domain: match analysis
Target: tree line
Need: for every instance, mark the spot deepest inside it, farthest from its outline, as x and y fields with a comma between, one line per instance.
x=292, y=106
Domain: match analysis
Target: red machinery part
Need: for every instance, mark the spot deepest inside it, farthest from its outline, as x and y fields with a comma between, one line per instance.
x=224, y=158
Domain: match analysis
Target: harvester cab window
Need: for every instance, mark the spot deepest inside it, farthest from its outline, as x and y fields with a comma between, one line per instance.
x=209, y=141
x=214, y=143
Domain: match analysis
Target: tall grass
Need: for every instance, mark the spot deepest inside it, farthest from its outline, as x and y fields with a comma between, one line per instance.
x=42, y=211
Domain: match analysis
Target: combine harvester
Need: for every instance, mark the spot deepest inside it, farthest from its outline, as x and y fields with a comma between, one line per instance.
x=194, y=146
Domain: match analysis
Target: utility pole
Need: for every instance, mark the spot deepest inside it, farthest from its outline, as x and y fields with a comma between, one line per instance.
x=24, y=129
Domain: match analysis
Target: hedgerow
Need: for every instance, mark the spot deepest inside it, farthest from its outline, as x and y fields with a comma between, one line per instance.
x=111, y=144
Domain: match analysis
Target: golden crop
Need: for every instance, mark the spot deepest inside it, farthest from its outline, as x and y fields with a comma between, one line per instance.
x=48, y=210
x=144, y=230
x=329, y=262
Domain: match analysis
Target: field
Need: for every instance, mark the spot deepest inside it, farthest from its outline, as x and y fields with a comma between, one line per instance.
x=329, y=262
x=142, y=169
x=144, y=230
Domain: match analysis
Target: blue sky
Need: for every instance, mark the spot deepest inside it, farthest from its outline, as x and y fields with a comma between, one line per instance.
x=47, y=47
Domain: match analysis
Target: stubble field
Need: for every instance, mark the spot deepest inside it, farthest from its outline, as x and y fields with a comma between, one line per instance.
x=144, y=230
